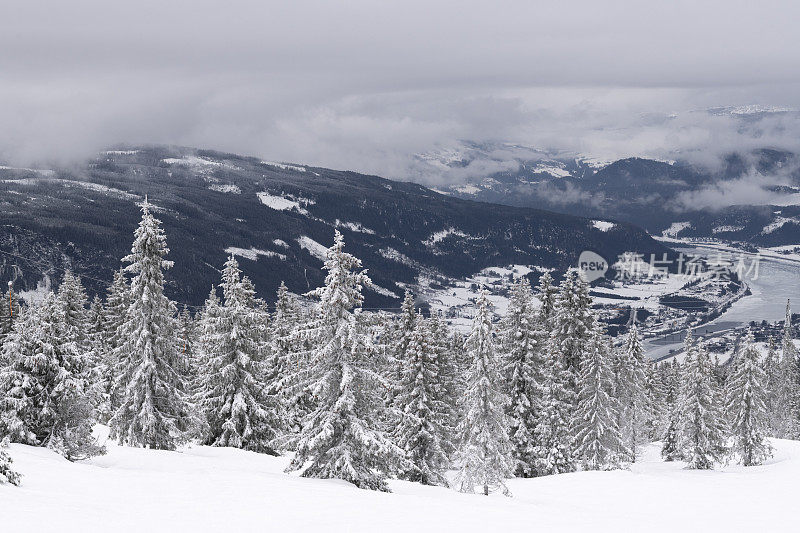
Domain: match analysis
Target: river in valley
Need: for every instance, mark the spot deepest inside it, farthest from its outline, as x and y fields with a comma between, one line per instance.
x=778, y=280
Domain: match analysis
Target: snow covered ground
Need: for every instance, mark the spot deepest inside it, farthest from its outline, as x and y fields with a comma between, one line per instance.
x=221, y=489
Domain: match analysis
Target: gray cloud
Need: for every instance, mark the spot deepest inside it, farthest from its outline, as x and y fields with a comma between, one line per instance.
x=748, y=190
x=367, y=85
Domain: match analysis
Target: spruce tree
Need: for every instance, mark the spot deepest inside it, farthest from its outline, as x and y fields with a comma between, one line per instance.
x=9, y=311
x=286, y=349
x=238, y=407
x=655, y=395
x=670, y=450
x=98, y=359
x=747, y=406
x=485, y=454
x=598, y=443
x=701, y=433
x=631, y=393
x=449, y=377
x=207, y=322
x=342, y=437
x=405, y=326
x=153, y=410
x=187, y=343
x=421, y=402
x=546, y=293
x=522, y=343
x=789, y=387
x=7, y=473
x=554, y=451
x=773, y=376
x=572, y=323
x=43, y=384
x=73, y=301
x=114, y=312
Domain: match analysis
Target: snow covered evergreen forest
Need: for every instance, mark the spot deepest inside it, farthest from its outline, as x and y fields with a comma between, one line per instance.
x=337, y=392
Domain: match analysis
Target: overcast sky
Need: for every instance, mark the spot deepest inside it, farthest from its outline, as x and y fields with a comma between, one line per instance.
x=365, y=85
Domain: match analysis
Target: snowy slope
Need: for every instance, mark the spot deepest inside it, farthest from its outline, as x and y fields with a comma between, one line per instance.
x=223, y=489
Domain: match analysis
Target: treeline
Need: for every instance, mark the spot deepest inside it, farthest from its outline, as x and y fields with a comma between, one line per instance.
x=363, y=396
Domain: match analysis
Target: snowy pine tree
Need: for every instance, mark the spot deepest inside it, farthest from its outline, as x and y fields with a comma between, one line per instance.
x=789, y=387
x=342, y=437
x=655, y=395
x=631, y=393
x=774, y=380
x=46, y=396
x=449, y=378
x=701, y=433
x=72, y=298
x=9, y=311
x=572, y=323
x=153, y=410
x=423, y=409
x=598, y=443
x=670, y=450
x=286, y=352
x=235, y=398
x=747, y=405
x=7, y=473
x=522, y=342
x=554, y=451
x=485, y=454
x=546, y=292
x=114, y=312
x=187, y=338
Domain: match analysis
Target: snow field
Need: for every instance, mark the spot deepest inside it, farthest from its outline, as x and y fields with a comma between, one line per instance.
x=201, y=488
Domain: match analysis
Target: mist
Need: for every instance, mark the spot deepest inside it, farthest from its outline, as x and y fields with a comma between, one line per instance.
x=370, y=86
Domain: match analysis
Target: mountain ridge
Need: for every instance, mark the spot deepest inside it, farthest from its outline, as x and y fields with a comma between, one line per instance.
x=278, y=217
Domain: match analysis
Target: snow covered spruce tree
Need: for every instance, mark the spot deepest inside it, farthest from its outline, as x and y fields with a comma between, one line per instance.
x=774, y=380
x=746, y=405
x=522, y=343
x=7, y=473
x=284, y=351
x=285, y=321
x=44, y=390
x=631, y=392
x=100, y=370
x=701, y=431
x=485, y=455
x=153, y=410
x=672, y=374
x=554, y=450
x=398, y=334
x=546, y=292
x=423, y=409
x=788, y=391
x=77, y=329
x=9, y=311
x=206, y=338
x=598, y=443
x=406, y=325
x=114, y=311
x=71, y=297
x=655, y=394
x=235, y=399
x=342, y=437
x=572, y=323
x=187, y=343
x=449, y=379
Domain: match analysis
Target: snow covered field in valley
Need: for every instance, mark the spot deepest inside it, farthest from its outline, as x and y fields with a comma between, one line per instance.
x=223, y=489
